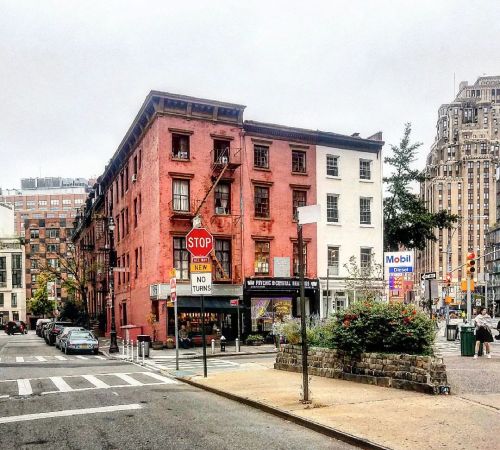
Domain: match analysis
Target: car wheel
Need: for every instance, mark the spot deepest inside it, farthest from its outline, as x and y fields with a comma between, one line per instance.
x=66, y=350
x=96, y=352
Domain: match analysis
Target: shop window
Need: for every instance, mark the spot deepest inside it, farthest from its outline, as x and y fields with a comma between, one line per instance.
x=261, y=157
x=180, y=146
x=261, y=201
x=181, y=258
x=262, y=256
x=298, y=161
x=222, y=198
x=266, y=311
x=223, y=255
x=299, y=198
x=296, y=259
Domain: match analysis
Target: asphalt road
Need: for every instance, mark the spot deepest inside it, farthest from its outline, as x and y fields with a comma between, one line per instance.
x=97, y=403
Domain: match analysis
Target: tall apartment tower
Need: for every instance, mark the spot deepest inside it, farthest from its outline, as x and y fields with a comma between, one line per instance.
x=460, y=171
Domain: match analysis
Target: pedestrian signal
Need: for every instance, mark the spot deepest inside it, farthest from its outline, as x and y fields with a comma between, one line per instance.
x=448, y=280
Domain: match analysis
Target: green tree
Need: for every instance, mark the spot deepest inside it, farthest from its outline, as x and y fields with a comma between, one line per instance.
x=39, y=304
x=366, y=281
x=407, y=222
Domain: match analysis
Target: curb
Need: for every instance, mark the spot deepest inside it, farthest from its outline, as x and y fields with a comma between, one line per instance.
x=315, y=426
x=222, y=355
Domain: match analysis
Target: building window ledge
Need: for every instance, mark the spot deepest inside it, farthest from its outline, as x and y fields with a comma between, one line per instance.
x=331, y=177
x=366, y=181
x=365, y=225
x=334, y=224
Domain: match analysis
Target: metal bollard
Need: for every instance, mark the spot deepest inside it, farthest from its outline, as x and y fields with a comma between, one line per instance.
x=123, y=348
x=131, y=350
x=237, y=342
x=142, y=345
x=137, y=352
x=213, y=346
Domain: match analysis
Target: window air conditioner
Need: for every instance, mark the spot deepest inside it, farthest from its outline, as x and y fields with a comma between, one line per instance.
x=183, y=155
x=220, y=210
x=223, y=160
x=134, y=178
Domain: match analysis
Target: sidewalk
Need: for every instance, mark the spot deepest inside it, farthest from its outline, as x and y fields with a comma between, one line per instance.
x=391, y=418
x=197, y=352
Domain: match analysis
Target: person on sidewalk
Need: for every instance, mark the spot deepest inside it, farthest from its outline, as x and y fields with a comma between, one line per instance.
x=184, y=337
x=483, y=332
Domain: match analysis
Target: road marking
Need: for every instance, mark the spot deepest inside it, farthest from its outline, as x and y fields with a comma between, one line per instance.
x=4, y=396
x=24, y=387
x=81, y=357
x=96, y=382
x=69, y=412
x=99, y=357
x=159, y=377
x=61, y=358
x=61, y=384
x=128, y=379
x=19, y=359
x=40, y=358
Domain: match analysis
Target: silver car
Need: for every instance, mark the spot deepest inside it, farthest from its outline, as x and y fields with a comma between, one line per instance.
x=64, y=332
x=79, y=341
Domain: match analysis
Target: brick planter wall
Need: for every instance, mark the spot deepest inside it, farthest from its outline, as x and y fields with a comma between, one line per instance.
x=425, y=374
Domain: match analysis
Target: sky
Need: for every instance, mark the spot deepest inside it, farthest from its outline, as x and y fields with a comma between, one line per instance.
x=73, y=74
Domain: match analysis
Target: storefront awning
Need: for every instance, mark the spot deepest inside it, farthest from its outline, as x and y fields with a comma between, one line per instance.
x=211, y=303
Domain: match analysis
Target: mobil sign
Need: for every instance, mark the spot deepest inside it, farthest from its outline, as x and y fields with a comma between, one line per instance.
x=398, y=262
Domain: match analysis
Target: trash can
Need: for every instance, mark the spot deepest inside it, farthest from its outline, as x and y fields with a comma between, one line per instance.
x=147, y=342
x=451, y=332
x=467, y=340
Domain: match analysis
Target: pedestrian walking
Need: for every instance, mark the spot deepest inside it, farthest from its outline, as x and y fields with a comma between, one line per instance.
x=483, y=332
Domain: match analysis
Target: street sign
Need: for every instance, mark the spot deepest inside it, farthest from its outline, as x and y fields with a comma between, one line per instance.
x=201, y=283
x=428, y=276
x=201, y=267
x=234, y=302
x=407, y=269
x=199, y=242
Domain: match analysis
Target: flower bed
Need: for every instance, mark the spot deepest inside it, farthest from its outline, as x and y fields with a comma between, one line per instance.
x=425, y=374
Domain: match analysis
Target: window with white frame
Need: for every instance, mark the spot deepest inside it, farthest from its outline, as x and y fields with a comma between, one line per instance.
x=332, y=208
x=365, y=259
x=333, y=260
x=332, y=165
x=365, y=172
x=365, y=213
x=180, y=195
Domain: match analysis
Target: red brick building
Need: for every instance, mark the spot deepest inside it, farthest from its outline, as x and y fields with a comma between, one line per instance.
x=184, y=157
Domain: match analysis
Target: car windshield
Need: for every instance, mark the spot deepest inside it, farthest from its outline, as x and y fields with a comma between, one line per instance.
x=80, y=335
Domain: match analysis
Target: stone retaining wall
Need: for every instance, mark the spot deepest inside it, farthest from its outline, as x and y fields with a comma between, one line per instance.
x=417, y=373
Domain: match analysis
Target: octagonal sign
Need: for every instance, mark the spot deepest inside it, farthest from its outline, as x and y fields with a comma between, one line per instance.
x=199, y=242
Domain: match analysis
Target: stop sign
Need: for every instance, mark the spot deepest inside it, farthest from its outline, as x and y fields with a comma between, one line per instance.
x=199, y=242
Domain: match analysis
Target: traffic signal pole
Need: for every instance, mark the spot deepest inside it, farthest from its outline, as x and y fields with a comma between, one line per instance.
x=469, y=302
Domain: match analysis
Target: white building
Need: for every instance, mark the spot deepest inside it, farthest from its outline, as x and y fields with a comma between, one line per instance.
x=12, y=291
x=349, y=190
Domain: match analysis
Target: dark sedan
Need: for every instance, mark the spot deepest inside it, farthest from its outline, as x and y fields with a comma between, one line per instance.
x=16, y=326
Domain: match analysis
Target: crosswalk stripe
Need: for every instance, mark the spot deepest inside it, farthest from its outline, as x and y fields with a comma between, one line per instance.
x=99, y=357
x=128, y=379
x=96, y=382
x=19, y=359
x=81, y=357
x=24, y=387
x=61, y=358
x=40, y=358
x=61, y=384
x=159, y=377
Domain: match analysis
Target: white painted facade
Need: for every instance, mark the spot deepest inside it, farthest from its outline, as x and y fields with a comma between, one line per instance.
x=12, y=290
x=345, y=233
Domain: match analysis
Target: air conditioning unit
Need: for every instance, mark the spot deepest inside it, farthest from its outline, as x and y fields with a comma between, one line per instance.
x=183, y=155
x=223, y=160
x=220, y=210
x=134, y=178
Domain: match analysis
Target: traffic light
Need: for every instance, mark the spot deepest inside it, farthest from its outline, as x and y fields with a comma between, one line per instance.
x=448, y=280
x=471, y=262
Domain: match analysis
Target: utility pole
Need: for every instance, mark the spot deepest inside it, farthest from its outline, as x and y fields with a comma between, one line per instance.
x=305, y=375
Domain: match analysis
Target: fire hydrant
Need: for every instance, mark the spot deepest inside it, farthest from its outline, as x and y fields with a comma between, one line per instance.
x=222, y=344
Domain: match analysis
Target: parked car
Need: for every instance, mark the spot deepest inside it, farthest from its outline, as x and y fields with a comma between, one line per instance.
x=77, y=341
x=64, y=333
x=16, y=326
x=53, y=329
x=39, y=326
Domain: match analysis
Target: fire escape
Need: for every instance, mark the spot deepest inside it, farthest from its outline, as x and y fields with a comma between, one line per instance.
x=224, y=162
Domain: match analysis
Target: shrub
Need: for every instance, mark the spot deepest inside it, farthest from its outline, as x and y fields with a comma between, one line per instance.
x=377, y=327
x=255, y=338
x=290, y=328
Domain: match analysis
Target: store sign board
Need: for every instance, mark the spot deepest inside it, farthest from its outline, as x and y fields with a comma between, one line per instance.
x=256, y=284
x=201, y=283
x=399, y=259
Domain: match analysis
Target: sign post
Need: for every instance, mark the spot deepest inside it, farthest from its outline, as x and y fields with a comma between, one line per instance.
x=427, y=278
x=200, y=243
x=173, y=298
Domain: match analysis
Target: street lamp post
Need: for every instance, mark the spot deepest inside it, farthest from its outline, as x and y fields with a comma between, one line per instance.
x=113, y=346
